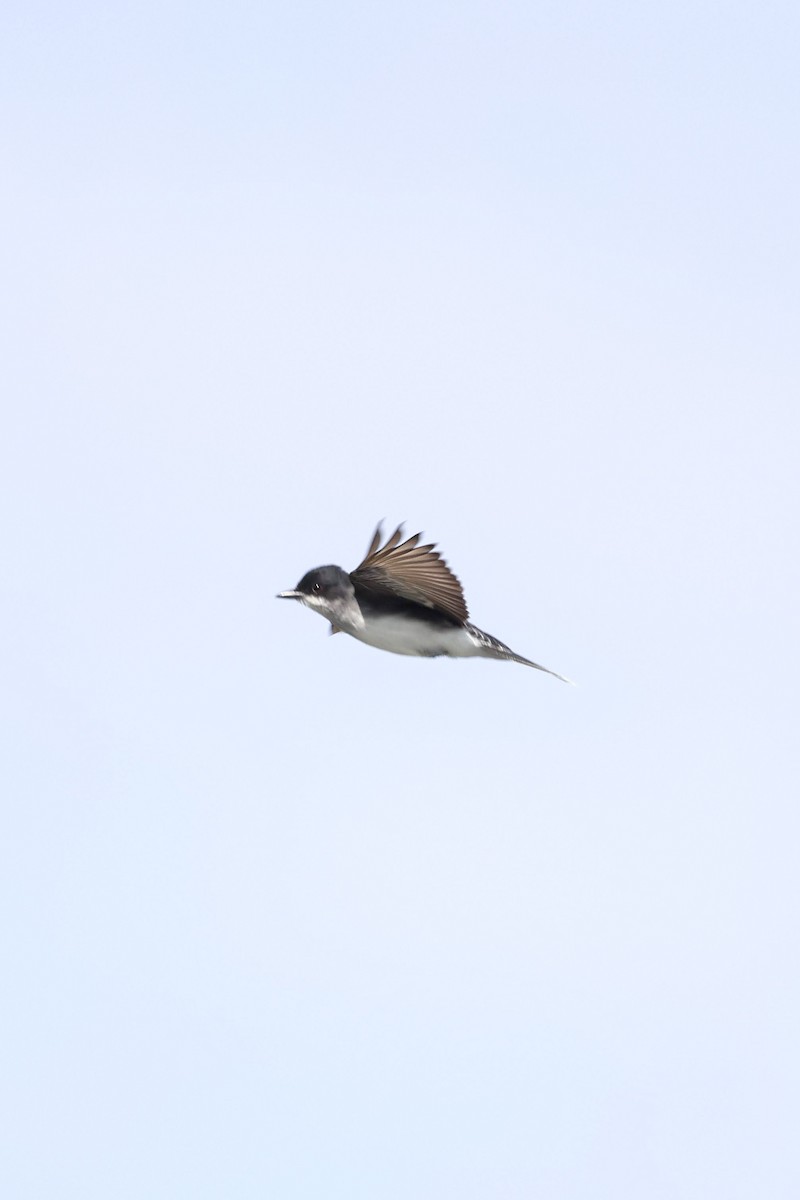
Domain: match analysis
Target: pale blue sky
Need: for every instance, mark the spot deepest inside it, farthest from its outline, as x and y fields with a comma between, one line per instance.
x=287, y=917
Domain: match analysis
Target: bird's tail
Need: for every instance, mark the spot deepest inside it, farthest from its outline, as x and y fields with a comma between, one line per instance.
x=492, y=647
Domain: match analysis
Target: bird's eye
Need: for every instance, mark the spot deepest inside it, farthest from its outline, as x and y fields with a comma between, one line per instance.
x=317, y=587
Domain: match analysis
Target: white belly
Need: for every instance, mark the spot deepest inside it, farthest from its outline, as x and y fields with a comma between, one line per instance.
x=399, y=637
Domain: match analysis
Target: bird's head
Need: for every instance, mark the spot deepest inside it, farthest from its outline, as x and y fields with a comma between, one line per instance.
x=330, y=592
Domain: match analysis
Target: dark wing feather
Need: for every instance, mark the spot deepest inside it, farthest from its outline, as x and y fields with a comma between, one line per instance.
x=415, y=572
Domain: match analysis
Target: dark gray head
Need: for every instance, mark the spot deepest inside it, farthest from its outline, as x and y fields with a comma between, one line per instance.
x=330, y=592
x=324, y=583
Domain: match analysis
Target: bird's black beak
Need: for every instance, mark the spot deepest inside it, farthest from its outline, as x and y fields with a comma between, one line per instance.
x=293, y=594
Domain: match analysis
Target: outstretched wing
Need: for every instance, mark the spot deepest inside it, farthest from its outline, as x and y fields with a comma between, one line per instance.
x=415, y=572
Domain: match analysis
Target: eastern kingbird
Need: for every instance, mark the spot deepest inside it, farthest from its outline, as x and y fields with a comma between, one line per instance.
x=404, y=598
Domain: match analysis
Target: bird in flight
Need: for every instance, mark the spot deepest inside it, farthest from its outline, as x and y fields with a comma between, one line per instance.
x=403, y=598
